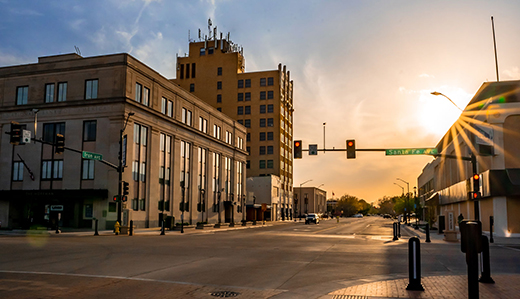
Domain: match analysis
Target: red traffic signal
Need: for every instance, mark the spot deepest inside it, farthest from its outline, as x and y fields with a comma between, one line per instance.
x=16, y=133
x=351, y=149
x=298, y=149
x=60, y=143
x=115, y=198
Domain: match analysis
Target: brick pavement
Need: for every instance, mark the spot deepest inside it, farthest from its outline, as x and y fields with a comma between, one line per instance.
x=447, y=286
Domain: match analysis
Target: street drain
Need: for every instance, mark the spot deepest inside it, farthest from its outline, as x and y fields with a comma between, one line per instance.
x=224, y=294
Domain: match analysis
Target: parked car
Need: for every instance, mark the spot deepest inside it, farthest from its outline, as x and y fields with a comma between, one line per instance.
x=359, y=215
x=312, y=218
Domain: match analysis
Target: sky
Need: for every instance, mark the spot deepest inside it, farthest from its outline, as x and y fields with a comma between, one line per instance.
x=364, y=68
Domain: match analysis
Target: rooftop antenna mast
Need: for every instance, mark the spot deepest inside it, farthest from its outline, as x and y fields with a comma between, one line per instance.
x=209, y=27
x=495, y=45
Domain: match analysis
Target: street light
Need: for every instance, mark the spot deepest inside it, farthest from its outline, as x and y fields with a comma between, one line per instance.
x=401, y=187
x=301, y=194
x=320, y=186
x=407, y=197
x=435, y=93
x=120, y=169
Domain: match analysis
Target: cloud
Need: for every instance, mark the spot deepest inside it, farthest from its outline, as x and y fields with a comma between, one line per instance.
x=8, y=59
x=513, y=73
x=426, y=76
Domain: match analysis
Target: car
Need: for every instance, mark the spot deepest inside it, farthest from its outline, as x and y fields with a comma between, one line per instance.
x=359, y=215
x=312, y=218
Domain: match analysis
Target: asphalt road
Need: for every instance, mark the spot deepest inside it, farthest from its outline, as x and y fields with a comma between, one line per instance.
x=285, y=260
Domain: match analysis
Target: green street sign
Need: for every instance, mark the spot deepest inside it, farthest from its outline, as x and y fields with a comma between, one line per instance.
x=411, y=151
x=92, y=156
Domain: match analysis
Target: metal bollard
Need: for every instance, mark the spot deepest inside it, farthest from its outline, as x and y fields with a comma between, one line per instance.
x=428, y=233
x=471, y=244
x=162, y=227
x=485, y=275
x=131, y=230
x=414, y=265
x=399, y=229
x=96, y=226
x=395, y=232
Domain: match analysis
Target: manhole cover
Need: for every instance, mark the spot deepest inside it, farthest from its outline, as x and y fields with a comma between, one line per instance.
x=224, y=294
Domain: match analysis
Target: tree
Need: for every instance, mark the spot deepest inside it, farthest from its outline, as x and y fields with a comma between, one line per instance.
x=349, y=204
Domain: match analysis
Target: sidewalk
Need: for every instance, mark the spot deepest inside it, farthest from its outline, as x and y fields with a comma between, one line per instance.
x=443, y=286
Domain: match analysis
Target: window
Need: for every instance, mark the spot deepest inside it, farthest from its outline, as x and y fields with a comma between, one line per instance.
x=182, y=71
x=240, y=143
x=17, y=171
x=210, y=50
x=262, y=82
x=262, y=150
x=138, y=92
x=50, y=131
x=187, y=70
x=219, y=71
x=263, y=95
x=247, y=110
x=186, y=116
x=248, y=149
x=135, y=170
x=91, y=89
x=49, y=93
x=146, y=96
x=270, y=108
x=143, y=172
x=193, y=70
x=142, y=204
x=192, y=87
x=88, y=170
x=248, y=164
x=262, y=109
x=62, y=92
x=216, y=181
x=248, y=137
x=219, y=109
x=270, y=122
x=52, y=169
x=202, y=52
x=164, y=103
x=240, y=121
x=240, y=110
x=248, y=82
x=262, y=164
x=247, y=123
x=270, y=150
x=270, y=95
x=21, y=95
x=262, y=122
x=262, y=136
x=203, y=124
x=89, y=130
x=229, y=137
x=270, y=81
x=219, y=84
x=248, y=96
x=216, y=131
x=270, y=136
x=240, y=97
x=170, y=109
x=185, y=171
x=240, y=83
x=219, y=98
x=270, y=164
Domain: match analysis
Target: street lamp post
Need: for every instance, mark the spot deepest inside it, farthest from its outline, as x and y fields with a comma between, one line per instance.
x=301, y=196
x=402, y=188
x=120, y=170
x=407, y=197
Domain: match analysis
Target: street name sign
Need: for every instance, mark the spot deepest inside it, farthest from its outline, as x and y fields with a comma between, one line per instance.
x=411, y=151
x=92, y=156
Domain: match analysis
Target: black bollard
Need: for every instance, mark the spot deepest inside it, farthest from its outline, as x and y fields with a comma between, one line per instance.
x=485, y=275
x=131, y=230
x=471, y=244
x=428, y=233
x=96, y=226
x=399, y=229
x=414, y=265
x=162, y=228
x=395, y=232
x=491, y=223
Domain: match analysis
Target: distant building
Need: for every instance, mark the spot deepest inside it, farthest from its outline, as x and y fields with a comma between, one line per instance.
x=310, y=200
x=488, y=127
x=178, y=148
x=262, y=101
x=263, y=198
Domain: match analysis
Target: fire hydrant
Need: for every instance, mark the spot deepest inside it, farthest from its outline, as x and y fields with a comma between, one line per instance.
x=116, y=227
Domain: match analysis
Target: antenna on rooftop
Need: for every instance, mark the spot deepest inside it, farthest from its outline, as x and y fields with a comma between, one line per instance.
x=209, y=27
x=495, y=45
x=77, y=50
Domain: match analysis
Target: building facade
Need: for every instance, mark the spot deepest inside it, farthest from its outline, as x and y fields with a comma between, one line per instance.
x=263, y=198
x=214, y=70
x=310, y=200
x=176, y=148
x=489, y=128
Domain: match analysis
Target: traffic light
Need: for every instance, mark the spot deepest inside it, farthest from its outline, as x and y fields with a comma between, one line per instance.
x=351, y=149
x=476, y=182
x=16, y=133
x=125, y=188
x=297, y=149
x=115, y=198
x=474, y=195
x=60, y=143
x=125, y=198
